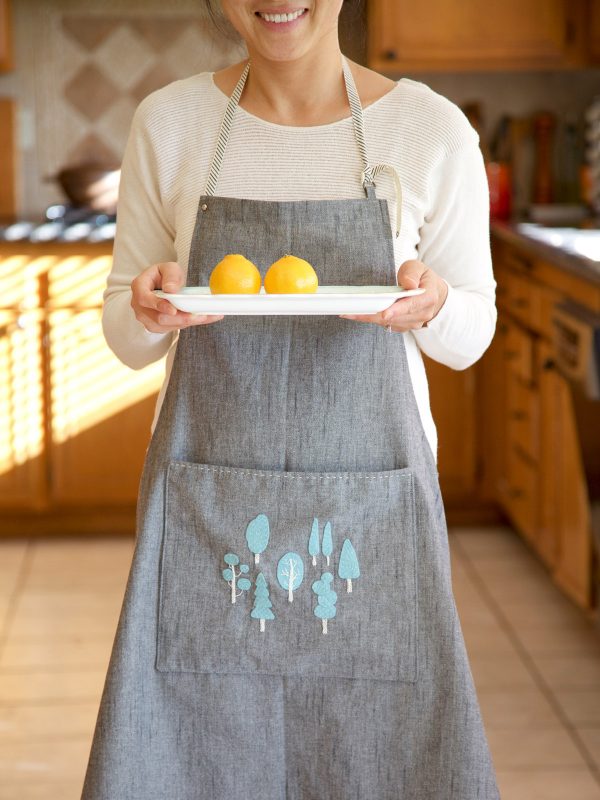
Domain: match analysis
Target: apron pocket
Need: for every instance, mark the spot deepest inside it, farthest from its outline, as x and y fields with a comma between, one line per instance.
x=288, y=573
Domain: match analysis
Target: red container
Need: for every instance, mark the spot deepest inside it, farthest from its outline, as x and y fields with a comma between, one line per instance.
x=499, y=182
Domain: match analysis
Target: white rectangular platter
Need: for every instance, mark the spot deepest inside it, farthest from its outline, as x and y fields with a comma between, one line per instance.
x=332, y=300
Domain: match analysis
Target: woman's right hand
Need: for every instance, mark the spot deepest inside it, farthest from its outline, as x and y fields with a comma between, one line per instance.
x=155, y=313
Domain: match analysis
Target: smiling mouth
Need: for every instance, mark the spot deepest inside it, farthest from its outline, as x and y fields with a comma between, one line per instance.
x=280, y=18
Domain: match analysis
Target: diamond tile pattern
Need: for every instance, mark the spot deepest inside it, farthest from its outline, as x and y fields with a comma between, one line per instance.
x=90, y=92
x=112, y=61
x=158, y=75
x=89, y=30
x=123, y=57
x=160, y=33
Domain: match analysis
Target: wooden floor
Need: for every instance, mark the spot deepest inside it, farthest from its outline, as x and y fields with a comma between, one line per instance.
x=535, y=659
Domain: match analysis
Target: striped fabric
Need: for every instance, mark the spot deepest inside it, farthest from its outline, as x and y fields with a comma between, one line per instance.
x=369, y=173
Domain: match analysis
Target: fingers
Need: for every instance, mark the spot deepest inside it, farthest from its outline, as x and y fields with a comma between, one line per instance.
x=410, y=273
x=171, y=276
x=163, y=323
x=157, y=314
x=408, y=313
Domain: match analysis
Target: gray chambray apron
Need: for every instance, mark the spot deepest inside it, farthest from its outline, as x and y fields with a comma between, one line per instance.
x=288, y=630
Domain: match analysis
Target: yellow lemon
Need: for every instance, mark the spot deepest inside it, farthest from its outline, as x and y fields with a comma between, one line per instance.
x=291, y=275
x=234, y=274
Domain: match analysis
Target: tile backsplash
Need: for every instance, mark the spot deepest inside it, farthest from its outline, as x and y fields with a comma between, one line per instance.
x=81, y=70
x=82, y=66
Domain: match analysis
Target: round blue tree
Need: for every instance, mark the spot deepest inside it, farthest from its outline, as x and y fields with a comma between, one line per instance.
x=232, y=575
x=327, y=598
x=257, y=535
x=262, y=602
x=290, y=573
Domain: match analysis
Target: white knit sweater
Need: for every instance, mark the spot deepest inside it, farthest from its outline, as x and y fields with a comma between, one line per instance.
x=422, y=134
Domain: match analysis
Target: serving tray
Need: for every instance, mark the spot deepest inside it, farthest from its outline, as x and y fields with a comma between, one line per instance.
x=332, y=300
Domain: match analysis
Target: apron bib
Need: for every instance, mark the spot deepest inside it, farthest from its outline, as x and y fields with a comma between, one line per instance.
x=288, y=629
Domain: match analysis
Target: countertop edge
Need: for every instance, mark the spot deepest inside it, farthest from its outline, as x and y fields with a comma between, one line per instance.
x=576, y=265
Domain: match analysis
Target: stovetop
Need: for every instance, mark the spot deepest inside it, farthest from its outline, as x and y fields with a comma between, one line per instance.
x=62, y=224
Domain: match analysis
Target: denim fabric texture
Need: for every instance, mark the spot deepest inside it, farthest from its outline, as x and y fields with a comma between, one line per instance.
x=295, y=418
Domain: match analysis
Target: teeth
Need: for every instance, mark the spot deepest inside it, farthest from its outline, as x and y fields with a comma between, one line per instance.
x=282, y=17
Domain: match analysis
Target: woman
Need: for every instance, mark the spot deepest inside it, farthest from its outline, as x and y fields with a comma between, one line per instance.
x=288, y=628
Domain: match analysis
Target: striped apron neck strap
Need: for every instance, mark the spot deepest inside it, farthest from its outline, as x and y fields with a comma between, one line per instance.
x=369, y=173
x=226, y=122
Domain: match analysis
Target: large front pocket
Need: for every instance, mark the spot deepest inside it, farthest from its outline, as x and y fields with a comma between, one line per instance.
x=288, y=573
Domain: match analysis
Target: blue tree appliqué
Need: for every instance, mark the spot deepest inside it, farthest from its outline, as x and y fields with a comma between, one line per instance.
x=290, y=573
x=348, y=568
x=327, y=598
x=327, y=544
x=262, y=602
x=232, y=575
x=313, y=542
x=257, y=535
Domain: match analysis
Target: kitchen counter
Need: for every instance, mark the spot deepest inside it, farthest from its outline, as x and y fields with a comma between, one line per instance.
x=25, y=247
x=578, y=265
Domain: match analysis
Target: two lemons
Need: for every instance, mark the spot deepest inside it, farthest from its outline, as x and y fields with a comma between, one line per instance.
x=235, y=274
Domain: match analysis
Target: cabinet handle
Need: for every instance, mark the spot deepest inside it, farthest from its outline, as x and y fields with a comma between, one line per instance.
x=390, y=55
x=519, y=415
x=549, y=364
x=515, y=493
x=521, y=302
x=570, y=31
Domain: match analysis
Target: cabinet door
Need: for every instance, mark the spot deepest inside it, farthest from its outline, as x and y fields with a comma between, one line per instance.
x=453, y=405
x=474, y=34
x=593, y=32
x=101, y=412
x=6, y=57
x=573, y=565
x=22, y=432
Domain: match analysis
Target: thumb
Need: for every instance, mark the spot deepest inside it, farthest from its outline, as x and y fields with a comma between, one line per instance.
x=171, y=276
x=409, y=274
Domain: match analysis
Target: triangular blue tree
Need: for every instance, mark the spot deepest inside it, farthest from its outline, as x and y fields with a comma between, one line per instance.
x=262, y=602
x=313, y=542
x=327, y=544
x=231, y=575
x=325, y=608
x=257, y=535
x=348, y=568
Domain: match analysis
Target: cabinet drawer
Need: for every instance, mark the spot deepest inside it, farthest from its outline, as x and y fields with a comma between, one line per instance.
x=521, y=497
x=519, y=352
x=523, y=417
x=523, y=300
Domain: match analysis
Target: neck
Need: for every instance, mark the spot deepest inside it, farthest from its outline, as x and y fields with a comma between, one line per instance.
x=287, y=91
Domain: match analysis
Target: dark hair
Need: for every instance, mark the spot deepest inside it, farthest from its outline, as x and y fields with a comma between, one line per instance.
x=351, y=13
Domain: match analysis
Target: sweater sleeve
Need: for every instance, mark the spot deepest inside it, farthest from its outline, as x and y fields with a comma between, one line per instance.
x=144, y=236
x=455, y=243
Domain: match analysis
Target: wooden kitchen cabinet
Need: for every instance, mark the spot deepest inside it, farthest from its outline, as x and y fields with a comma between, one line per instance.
x=22, y=431
x=6, y=48
x=75, y=421
x=454, y=408
x=533, y=464
x=414, y=35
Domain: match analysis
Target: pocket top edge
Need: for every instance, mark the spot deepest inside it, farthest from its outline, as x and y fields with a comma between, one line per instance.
x=403, y=472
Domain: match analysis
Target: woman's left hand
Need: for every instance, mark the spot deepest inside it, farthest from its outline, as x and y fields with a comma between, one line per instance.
x=411, y=313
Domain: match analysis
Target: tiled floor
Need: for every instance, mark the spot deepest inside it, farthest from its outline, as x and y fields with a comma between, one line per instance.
x=535, y=659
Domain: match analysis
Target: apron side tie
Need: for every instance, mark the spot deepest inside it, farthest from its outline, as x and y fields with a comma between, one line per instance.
x=368, y=177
